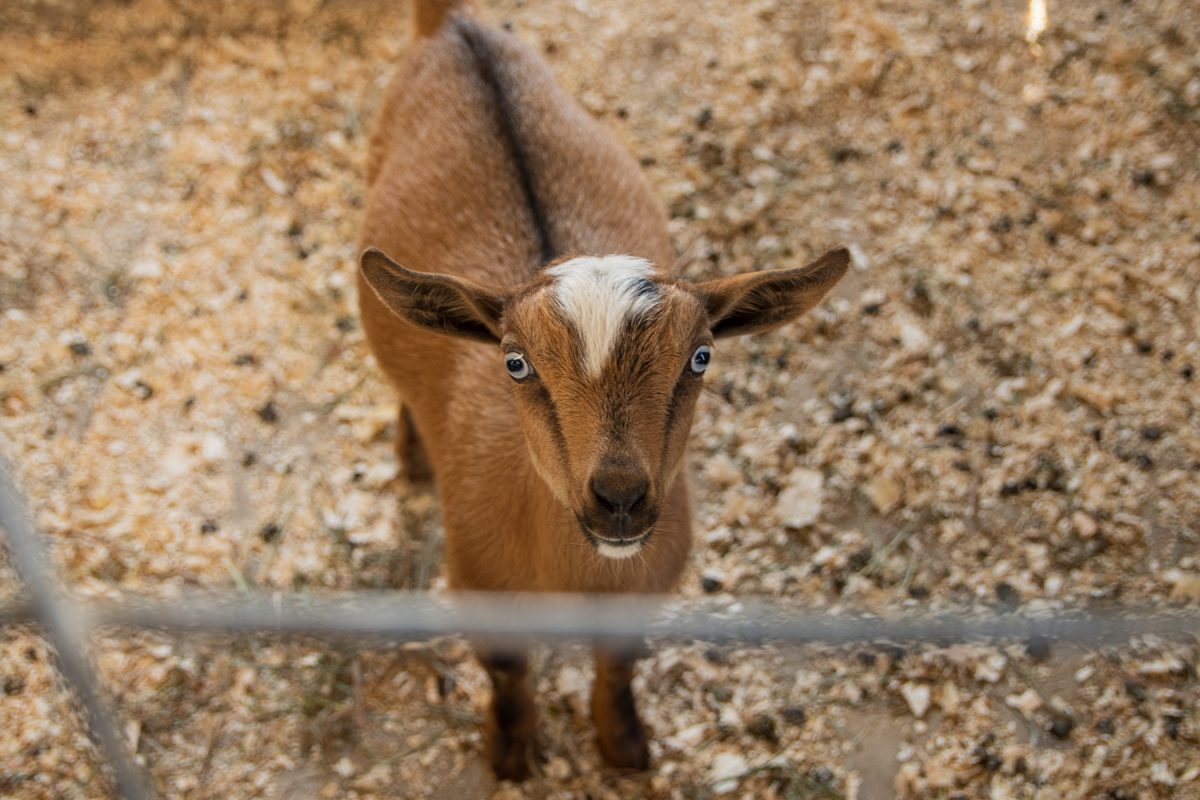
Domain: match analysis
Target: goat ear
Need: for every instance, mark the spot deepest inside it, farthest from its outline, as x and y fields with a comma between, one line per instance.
x=760, y=301
x=441, y=303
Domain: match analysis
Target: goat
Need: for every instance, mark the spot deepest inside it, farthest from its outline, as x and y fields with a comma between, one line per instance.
x=558, y=448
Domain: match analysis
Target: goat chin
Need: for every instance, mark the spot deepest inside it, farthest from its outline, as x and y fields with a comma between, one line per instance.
x=617, y=552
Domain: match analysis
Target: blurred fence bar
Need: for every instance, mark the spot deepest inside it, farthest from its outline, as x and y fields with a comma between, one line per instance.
x=501, y=619
x=65, y=629
x=496, y=619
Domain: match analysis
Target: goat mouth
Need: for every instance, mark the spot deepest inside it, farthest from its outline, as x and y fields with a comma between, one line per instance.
x=618, y=548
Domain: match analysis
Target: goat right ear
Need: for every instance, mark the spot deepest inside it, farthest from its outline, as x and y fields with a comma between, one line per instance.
x=759, y=301
x=441, y=303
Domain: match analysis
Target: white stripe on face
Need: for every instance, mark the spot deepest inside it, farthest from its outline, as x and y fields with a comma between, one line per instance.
x=598, y=294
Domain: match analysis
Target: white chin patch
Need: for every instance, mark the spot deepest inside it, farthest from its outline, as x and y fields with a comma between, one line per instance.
x=619, y=551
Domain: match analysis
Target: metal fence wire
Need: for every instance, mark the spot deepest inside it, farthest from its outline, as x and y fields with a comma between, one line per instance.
x=406, y=616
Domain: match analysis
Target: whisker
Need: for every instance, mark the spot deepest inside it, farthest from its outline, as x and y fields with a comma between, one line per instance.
x=645, y=561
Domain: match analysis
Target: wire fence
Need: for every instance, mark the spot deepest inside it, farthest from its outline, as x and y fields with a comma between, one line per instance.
x=490, y=619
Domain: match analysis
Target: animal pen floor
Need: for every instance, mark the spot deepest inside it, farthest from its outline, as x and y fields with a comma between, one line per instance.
x=997, y=408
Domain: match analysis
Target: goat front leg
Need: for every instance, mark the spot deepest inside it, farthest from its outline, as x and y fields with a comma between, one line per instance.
x=619, y=730
x=512, y=721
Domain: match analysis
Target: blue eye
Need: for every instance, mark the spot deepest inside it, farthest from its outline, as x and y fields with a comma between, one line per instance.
x=517, y=366
x=700, y=359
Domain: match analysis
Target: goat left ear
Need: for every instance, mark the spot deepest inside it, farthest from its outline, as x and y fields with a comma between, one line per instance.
x=441, y=303
x=759, y=301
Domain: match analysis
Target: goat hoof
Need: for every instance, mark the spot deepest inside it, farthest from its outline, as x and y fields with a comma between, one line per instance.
x=512, y=757
x=628, y=750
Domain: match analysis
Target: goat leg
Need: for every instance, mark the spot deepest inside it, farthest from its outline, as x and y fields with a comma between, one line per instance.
x=512, y=723
x=619, y=731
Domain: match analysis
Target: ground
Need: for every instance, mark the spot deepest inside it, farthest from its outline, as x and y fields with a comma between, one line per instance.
x=997, y=408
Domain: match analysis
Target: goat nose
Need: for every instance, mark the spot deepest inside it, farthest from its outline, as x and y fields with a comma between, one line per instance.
x=619, y=491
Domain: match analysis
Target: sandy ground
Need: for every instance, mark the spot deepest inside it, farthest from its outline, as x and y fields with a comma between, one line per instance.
x=997, y=408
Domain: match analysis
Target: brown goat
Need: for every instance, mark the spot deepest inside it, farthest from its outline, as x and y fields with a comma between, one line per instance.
x=548, y=384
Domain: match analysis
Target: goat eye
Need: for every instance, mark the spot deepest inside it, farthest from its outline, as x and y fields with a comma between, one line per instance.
x=517, y=366
x=700, y=359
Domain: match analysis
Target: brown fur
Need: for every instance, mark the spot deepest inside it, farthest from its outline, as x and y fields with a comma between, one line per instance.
x=479, y=166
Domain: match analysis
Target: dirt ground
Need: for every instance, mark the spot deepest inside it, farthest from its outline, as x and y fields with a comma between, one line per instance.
x=996, y=409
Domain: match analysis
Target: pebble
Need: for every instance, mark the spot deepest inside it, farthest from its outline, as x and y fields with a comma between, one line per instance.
x=1027, y=702
x=558, y=769
x=950, y=699
x=722, y=471
x=913, y=338
x=1038, y=648
x=800, y=502
x=795, y=716
x=1136, y=690
x=725, y=771
x=1061, y=726
x=1008, y=596
x=762, y=726
x=146, y=268
x=883, y=492
x=918, y=698
x=712, y=581
x=1084, y=524
x=1161, y=774
x=1185, y=586
x=213, y=448
x=268, y=413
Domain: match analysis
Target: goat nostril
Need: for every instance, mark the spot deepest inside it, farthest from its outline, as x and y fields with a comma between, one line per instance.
x=619, y=494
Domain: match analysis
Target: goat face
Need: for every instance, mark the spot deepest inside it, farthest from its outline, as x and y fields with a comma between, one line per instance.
x=607, y=363
x=606, y=360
